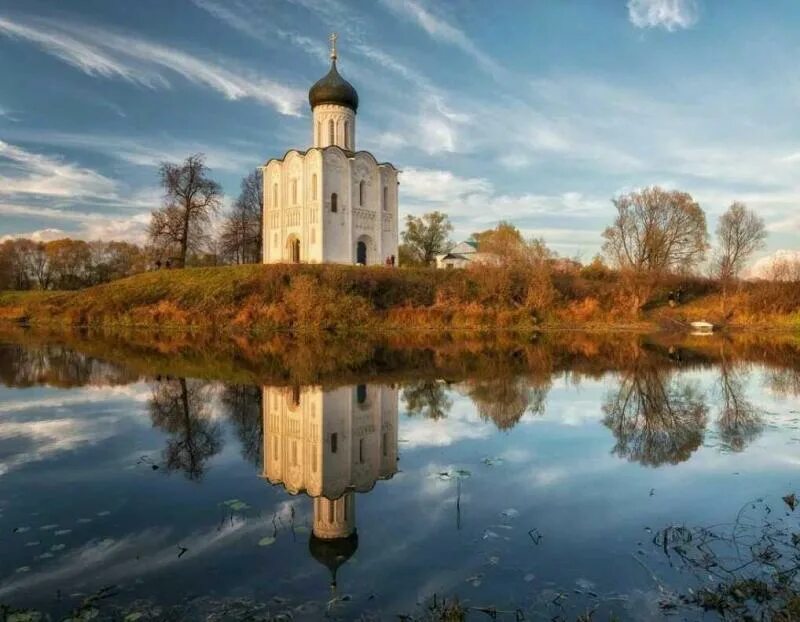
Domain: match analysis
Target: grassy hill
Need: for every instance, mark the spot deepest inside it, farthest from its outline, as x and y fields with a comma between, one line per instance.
x=352, y=298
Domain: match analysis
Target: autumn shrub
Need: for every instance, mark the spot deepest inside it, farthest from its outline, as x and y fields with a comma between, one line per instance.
x=313, y=306
x=583, y=310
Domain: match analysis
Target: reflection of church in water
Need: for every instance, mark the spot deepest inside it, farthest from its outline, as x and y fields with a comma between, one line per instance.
x=330, y=445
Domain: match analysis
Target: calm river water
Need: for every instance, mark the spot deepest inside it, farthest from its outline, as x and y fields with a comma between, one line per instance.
x=525, y=481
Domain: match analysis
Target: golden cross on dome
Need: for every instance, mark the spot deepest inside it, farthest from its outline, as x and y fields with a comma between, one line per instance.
x=333, y=45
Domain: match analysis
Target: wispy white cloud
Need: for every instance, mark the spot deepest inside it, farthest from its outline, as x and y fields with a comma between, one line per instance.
x=87, y=227
x=667, y=14
x=465, y=195
x=473, y=203
x=25, y=172
x=29, y=179
x=104, y=53
x=440, y=186
x=439, y=28
x=85, y=56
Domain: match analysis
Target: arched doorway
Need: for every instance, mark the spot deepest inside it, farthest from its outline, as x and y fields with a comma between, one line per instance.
x=365, y=250
x=361, y=253
x=293, y=249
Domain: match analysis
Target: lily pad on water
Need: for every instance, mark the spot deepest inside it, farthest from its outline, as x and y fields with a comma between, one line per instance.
x=509, y=513
x=62, y=532
x=23, y=569
x=266, y=541
x=48, y=527
x=446, y=476
x=236, y=505
x=58, y=547
x=492, y=461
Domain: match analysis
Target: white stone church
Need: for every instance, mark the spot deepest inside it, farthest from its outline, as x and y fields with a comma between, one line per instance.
x=330, y=203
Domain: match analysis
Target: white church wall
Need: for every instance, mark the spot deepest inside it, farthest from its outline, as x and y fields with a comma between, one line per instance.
x=366, y=216
x=272, y=233
x=389, y=211
x=313, y=206
x=335, y=225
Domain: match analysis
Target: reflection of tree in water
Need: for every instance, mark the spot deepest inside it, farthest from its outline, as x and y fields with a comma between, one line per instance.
x=180, y=408
x=504, y=400
x=243, y=405
x=427, y=398
x=784, y=382
x=655, y=417
x=739, y=420
x=23, y=366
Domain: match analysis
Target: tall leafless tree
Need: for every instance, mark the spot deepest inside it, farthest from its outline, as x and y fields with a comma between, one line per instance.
x=739, y=234
x=656, y=231
x=190, y=199
x=240, y=238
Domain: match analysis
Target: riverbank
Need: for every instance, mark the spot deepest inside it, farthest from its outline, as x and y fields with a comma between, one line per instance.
x=327, y=298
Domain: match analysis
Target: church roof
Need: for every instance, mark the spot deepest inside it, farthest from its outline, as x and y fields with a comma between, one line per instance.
x=347, y=153
x=333, y=89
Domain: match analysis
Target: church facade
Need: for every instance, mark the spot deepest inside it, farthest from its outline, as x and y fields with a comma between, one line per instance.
x=330, y=203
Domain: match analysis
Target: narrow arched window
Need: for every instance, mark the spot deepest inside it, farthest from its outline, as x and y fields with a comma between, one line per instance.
x=346, y=135
x=385, y=198
x=314, y=187
x=319, y=134
x=361, y=393
x=334, y=202
x=361, y=192
x=294, y=192
x=274, y=195
x=331, y=133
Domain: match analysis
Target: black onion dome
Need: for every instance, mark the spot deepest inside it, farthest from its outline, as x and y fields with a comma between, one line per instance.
x=333, y=553
x=333, y=89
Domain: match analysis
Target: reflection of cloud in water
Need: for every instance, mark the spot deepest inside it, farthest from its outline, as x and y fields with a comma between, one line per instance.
x=45, y=437
x=154, y=549
x=462, y=423
x=78, y=397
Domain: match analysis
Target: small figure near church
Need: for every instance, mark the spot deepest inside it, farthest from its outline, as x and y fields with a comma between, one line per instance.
x=330, y=203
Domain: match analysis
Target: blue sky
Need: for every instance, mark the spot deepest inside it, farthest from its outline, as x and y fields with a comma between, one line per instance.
x=533, y=112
